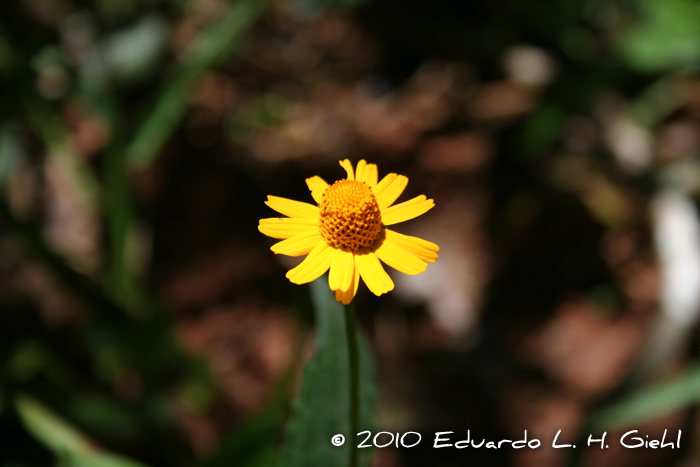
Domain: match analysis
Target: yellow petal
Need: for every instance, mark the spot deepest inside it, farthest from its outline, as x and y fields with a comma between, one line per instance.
x=347, y=296
x=367, y=173
x=389, y=189
x=407, y=210
x=360, y=170
x=318, y=186
x=292, y=208
x=342, y=270
x=370, y=175
x=348, y=168
x=372, y=272
x=285, y=227
x=423, y=249
x=313, y=266
x=299, y=244
x=400, y=259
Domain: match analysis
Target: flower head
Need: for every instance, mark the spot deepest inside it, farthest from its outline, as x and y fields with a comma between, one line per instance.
x=347, y=232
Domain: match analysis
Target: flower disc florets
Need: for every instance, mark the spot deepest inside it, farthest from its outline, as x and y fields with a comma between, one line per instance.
x=349, y=215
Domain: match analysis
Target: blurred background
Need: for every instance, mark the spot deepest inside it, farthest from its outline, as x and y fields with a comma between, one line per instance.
x=144, y=321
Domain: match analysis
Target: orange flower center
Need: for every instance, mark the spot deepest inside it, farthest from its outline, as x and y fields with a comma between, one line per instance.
x=349, y=215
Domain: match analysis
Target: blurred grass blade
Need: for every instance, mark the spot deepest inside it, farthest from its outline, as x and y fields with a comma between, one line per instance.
x=651, y=402
x=210, y=47
x=122, y=228
x=11, y=154
x=321, y=410
x=69, y=445
x=50, y=430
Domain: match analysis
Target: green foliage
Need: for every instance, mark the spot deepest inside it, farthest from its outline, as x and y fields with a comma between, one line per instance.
x=70, y=446
x=651, y=402
x=127, y=332
x=214, y=44
x=321, y=410
x=667, y=36
x=11, y=153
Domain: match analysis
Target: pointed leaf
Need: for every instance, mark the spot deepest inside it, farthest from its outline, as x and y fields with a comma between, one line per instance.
x=321, y=410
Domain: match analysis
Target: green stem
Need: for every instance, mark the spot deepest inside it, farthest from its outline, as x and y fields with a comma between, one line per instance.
x=354, y=365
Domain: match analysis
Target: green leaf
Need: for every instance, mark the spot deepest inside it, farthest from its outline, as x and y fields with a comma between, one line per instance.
x=321, y=410
x=652, y=402
x=70, y=446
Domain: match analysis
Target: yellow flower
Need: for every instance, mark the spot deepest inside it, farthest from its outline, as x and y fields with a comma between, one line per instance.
x=347, y=232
